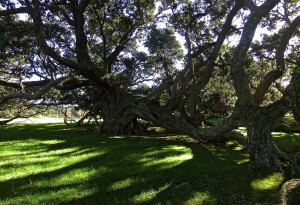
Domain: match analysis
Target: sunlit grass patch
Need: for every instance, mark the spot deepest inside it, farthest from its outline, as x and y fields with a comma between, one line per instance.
x=47, y=161
x=72, y=177
x=52, y=197
x=267, y=187
x=123, y=183
x=50, y=142
x=288, y=118
x=166, y=162
x=267, y=183
x=167, y=157
x=201, y=198
x=148, y=195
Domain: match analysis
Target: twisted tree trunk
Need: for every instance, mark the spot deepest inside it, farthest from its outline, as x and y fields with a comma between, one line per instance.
x=117, y=109
x=262, y=149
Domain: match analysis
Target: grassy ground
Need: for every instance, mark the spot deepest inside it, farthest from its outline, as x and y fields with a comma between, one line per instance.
x=56, y=164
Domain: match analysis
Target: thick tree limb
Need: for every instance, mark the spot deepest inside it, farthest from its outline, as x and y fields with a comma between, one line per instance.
x=278, y=109
x=240, y=79
x=265, y=85
x=25, y=84
x=286, y=35
x=250, y=4
x=4, y=122
x=82, y=55
x=285, y=38
x=206, y=72
x=37, y=94
x=9, y=12
x=35, y=13
x=179, y=85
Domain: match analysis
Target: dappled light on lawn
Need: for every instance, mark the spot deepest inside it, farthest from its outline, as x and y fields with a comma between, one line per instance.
x=32, y=157
x=164, y=160
x=43, y=164
x=269, y=182
x=62, y=195
x=73, y=177
x=201, y=198
x=148, y=194
x=123, y=184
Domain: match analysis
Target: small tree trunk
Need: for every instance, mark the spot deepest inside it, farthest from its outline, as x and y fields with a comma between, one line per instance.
x=262, y=149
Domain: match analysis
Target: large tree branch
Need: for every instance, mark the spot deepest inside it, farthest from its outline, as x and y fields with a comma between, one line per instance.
x=240, y=79
x=112, y=57
x=265, y=85
x=286, y=35
x=278, y=109
x=82, y=53
x=68, y=85
x=9, y=12
x=166, y=119
x=250, y=4
x=179, y=86
x=38, y=94
x=35, y=13
x=25, y=84
x=207, y=71
x=22, y=112
x=285, y=38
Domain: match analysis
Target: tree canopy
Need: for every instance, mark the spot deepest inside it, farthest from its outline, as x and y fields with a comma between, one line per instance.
x=197, y=57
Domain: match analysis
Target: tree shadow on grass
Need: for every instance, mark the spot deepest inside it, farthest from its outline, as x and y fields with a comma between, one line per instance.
x=129, y=170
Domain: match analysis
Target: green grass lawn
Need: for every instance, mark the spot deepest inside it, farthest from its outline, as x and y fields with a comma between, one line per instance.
x=56, y=164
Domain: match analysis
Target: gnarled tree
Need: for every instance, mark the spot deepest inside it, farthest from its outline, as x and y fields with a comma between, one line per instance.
x=88, y=52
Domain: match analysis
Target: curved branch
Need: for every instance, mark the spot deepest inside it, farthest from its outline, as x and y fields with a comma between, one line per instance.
x=287, y=34
x=278, y=109
x=240, y=79
x=25, y=84
x=285, y=38
x=208, y=69
x=35, y=12
x=39, y=93
x=265, y=85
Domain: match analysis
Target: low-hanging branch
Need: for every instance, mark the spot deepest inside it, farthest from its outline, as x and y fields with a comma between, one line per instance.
x=38, y=94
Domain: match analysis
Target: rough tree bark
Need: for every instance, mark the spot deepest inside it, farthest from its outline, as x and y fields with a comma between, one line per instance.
x=262, y=149
x=117, y=109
